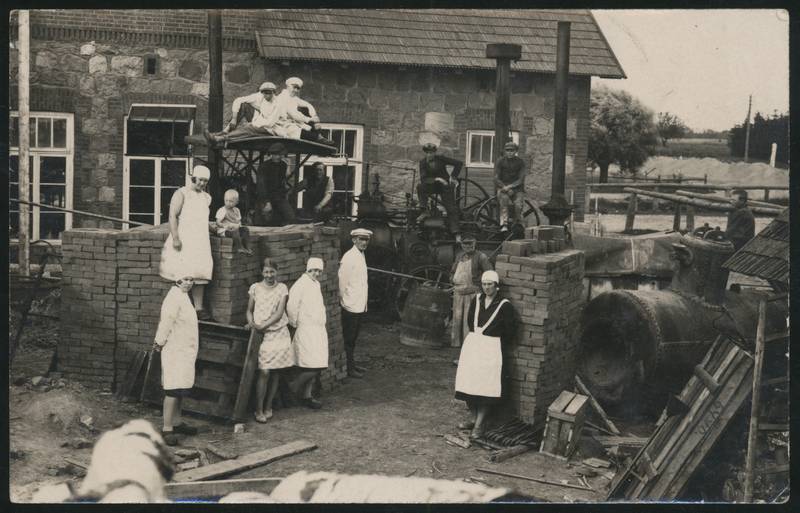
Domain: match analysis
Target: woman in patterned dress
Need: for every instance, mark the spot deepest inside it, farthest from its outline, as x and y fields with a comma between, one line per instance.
x=266, y=313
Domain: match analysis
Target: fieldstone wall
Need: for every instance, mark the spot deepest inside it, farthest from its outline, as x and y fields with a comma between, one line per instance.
x=545, y=290
x=112, y=292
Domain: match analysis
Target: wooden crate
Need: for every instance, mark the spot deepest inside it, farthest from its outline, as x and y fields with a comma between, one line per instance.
x=562, y=431
x=224, y=373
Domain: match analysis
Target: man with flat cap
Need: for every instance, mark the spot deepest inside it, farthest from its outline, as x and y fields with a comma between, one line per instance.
x=353, y=292
x=254, y=115
x=434, y=179
x=509, y=181
x=272, y=205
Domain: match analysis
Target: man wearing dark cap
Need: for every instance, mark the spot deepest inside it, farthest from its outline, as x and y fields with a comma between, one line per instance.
x=272, y=206
x=509, y=181
x=254, y=115
x=434, y=179
x=741, y=222
x=465, y=275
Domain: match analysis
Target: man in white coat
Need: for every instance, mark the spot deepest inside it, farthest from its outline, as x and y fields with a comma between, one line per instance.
x=299, y=115
x=306, y=311
x=353, y=294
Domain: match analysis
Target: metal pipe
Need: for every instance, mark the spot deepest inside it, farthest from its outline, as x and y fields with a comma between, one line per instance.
x=560, y=115
x=402, y=275
x=504, y=53
x=79, y=212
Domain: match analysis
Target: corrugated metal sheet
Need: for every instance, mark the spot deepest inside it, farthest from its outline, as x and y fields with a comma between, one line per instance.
x=434, y=37
x=766, y=256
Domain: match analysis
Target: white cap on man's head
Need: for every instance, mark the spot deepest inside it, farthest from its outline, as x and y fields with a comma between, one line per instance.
x=294, y=81
x=361, y=232
x=201, y=172
x=490, y=276
x=314, y=263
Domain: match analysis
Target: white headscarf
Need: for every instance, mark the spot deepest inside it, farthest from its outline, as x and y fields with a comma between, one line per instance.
x=490, y=276
x=314, y=263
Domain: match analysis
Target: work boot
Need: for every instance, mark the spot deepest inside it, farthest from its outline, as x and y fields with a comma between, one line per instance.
x=323, y=140
x=310, y=402
x=170, y=438
x=185, y=429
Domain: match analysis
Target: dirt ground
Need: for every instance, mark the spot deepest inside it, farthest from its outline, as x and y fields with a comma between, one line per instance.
x=389, y=423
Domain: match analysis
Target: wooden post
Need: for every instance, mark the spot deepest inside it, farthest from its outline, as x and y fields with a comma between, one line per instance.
x=747, y=130
x=656, y=201
x=755, y=404
x=690, y=218
x=631, y=215
x=676, y=220
x=215, y=102
x=24, y=167
x=773, y=153
x=766, y=192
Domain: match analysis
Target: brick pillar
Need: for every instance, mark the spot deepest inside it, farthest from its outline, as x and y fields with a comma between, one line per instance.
x=226, y=295
x=87, y=341
x=545, y=290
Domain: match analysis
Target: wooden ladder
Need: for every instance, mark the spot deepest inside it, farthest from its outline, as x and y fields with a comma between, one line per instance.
x=755, y=410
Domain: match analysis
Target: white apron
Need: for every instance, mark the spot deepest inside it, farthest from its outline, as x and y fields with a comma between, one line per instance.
x=178, y=327
x=194, y=258
x=306, y=311
x=481, y=360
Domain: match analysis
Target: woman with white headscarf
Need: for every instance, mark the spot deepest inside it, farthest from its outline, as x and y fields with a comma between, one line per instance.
x=306, y=311
x=187, y=250
x=480, y=365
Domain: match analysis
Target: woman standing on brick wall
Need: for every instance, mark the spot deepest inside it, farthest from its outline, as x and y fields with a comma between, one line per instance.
x=187, y=251
x=480, y=365
x=266, y=313
x=177, y=338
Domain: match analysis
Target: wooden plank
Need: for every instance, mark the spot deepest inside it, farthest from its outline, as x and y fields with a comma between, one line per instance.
x=630, y=215
x=203, y=382
x=574, y=407
x=609, y=441
x=708, y=380
x=561, y=401
x=599, y=409
x=755, y=405
x=773, y=427
x=248, y=376
x=244, y=462
x=214, y=489
x=132, y=374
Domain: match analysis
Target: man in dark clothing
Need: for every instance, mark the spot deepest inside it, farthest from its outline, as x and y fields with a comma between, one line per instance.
x=272, y=206
x=741, y=222
x=317, y=190
x=509, y=181
x=434, y=179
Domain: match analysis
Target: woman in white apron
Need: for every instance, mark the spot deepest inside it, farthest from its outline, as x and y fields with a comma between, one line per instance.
x=480, y=365
x=177, y=339
x=306, y=311
x=187, y=250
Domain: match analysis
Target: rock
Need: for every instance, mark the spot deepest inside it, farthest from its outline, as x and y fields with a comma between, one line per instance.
x=188, y=465
x=88, y=49
x=46, y=59
x=130, y=66
x=186, y=453
x=200, y=89
x=191, y=70
x=72, y=62
x=106, y=194
x=237, y=74
x=439, y=122
x=238, y=428
x=106, y=160
x=39, y=381
x=87, y=421
x=98, y=64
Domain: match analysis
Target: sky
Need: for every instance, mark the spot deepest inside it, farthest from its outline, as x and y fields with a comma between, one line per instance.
x=701, y=64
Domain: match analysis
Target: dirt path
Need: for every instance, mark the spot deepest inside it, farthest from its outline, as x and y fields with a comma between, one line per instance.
x=390, y=423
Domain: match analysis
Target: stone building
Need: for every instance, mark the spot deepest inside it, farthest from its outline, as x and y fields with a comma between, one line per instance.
x=114, y=92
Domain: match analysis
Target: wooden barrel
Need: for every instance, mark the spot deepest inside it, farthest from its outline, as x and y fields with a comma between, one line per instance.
x=425, y=316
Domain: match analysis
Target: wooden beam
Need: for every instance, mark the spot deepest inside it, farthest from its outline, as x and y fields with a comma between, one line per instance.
x=710, y=205
x=212, y=489
x=245, y=462
x=720, y=199
x=630, y=216
x=248, y=374
x=599, y=409
x=755, y=404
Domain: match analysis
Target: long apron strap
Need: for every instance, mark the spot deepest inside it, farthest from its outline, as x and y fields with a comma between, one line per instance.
x=494, y=314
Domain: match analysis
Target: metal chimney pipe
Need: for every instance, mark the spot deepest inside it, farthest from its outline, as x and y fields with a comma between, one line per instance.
x=558, y=209
x=504, y=53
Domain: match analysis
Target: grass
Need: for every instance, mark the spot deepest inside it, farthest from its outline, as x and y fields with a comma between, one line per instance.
x=697, y=148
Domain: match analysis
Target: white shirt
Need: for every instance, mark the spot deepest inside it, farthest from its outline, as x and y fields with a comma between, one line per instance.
x=267, y=112
x=353, y=287
x=289, y=105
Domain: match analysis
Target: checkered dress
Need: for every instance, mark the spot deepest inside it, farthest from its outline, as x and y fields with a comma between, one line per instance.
x=276, y=350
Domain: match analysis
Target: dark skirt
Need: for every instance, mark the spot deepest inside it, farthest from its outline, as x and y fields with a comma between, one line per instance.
x=478, y=400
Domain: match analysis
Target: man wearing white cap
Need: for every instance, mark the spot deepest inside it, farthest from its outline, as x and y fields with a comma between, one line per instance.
x=254, y=115
x=306, y=311
x=187, y=250
x=353, y=293
x=480, y=365
x=298, y=115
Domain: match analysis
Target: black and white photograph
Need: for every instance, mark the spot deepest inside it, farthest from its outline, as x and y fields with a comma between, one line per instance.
x=391, y=255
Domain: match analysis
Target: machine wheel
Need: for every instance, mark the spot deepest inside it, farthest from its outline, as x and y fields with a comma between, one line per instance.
x=471, y=195
x=487, y=215
x=431, y=273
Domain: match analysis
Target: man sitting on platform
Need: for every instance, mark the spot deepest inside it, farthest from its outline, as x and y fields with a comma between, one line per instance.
x=255, y=115
x=434, y=179
x=317, y=190
x=272, y=206
x=297, y=115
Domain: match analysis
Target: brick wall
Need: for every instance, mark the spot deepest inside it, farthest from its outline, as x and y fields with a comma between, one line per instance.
x=112, y=292
x=545, y=290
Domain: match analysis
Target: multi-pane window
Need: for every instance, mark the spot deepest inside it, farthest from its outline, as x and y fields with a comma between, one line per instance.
x=156, y=160
x=346, y=175
x=480, y=144
x=49, y=175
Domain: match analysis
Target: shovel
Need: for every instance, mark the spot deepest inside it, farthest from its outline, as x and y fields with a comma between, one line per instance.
x=149, y=358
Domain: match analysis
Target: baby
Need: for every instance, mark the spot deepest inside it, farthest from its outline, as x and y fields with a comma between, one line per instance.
x=229, y=223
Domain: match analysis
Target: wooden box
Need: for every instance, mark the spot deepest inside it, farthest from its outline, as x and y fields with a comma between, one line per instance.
x=562, y=430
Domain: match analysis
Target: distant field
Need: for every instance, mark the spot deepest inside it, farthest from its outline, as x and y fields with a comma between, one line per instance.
x=697, y=148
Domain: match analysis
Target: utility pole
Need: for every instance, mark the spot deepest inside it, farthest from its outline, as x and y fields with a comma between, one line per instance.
x=504, y=53
x=24, y=141
x=215, y=100
x=747, y=130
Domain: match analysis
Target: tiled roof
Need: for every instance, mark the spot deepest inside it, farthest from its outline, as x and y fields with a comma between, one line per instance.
x=766, y=255
x=435, y=37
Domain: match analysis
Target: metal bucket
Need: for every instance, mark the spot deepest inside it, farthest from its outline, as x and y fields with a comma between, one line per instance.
x=424, y=318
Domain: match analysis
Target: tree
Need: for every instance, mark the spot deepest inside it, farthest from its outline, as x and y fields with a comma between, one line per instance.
x=622, y=131
x=669, y=127
x=763, y=132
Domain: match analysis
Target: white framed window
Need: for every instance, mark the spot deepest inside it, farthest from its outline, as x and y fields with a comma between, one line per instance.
x=52, y=150
x=156, y=160
x=480, y=147
x=345, y=169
